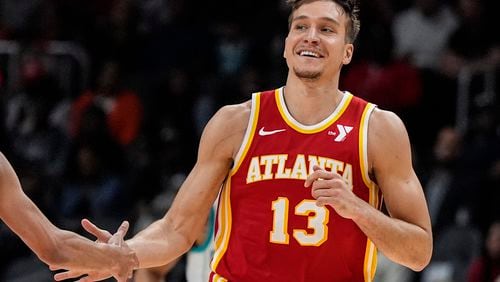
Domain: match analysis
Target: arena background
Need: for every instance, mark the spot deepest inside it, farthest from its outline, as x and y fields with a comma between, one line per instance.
x=102, y=103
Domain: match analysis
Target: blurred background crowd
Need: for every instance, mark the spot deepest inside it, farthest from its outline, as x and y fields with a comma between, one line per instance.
x=102, y=103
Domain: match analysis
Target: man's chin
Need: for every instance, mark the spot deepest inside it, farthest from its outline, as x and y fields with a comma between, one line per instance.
x=309, y=75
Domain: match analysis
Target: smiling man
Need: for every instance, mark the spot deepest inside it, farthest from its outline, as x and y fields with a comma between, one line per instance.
x=300, y=172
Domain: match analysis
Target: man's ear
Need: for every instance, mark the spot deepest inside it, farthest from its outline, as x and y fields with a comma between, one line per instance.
x=284, y=48
x=348, y=51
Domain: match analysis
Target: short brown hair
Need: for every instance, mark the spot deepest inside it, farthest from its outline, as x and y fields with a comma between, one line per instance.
x=350, y=7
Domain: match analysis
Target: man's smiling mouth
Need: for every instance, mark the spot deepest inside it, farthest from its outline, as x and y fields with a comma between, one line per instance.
x=311, y=54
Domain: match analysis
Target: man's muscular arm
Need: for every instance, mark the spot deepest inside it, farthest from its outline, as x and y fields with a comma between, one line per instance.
x=405, y=235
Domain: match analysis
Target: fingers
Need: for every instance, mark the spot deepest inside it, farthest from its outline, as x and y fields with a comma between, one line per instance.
x=89, y=277
x=323, y=201
x=322, y=192
x=96, y=276
x=117, y=238
x=100, y=234
x=122, y=230
x=326, y=187
x=67, y=275
x=319, y=174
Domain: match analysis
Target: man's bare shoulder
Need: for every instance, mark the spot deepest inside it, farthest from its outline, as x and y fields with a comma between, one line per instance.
x=237, y=113
x=386, y=122
x=232, y=118
x=387, y=137
x=227, y=127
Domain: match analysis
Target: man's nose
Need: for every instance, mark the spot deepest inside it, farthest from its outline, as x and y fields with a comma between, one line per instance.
x=312, y=36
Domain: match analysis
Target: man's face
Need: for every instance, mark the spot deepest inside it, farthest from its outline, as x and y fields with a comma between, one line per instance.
x=316, y=43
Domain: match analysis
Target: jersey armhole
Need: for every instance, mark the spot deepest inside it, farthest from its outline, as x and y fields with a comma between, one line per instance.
x=363, y=144
x=249, y=133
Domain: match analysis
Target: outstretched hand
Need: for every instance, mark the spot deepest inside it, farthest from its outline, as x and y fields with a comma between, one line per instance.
x=117, y=249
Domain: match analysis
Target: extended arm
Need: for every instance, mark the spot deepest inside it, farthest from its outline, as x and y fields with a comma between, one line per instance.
x=52, y=245
x=174, y=234
x=405, y=237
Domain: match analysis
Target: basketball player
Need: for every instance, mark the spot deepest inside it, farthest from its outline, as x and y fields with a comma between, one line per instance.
x=301, y=171
x=55, y=247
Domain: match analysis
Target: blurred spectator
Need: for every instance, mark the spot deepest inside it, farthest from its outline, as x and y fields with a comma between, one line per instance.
x=473, y=43
x=454, y=250
x=390, y=83
x=456, y=237
x=440, y=182
x=232, y=49
x=32, y=136
x=116, y=36
x=170, y=120
x=94, y=181
x=486, y=268
x=479, y=159
x=122, y=106
x=421, y=32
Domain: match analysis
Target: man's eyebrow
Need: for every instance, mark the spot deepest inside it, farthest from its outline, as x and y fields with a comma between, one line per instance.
x=328, y=19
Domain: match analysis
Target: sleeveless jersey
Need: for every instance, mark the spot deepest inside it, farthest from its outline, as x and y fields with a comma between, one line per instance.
x=268, y=225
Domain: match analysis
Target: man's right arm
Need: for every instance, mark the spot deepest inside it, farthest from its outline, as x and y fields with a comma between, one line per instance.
x=175, y=233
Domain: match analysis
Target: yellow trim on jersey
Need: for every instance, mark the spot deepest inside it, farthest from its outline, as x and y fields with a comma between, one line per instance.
x=363, y=144
x=218, y=278
x=249, y=134
x=310, y=129
x=224, y=216
x=225, y=222
x=370, y=263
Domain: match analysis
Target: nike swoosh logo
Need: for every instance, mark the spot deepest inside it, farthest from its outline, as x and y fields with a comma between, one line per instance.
x=263, y=132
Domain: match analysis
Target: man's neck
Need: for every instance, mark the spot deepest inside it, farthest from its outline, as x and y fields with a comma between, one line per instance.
x=310, y=102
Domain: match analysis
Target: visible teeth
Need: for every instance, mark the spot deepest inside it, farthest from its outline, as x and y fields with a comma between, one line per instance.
x=309, y=53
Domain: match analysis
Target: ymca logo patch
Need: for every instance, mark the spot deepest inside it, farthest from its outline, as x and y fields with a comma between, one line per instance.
x=341, y=135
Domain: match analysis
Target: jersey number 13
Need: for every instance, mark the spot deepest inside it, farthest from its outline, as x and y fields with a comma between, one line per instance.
x=317, y=220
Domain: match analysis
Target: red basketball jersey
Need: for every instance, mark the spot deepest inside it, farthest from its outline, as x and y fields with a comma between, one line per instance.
x=268, y=226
